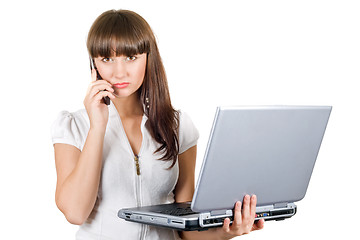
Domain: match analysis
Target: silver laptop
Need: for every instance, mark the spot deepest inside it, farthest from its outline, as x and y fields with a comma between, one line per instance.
x=269, y=151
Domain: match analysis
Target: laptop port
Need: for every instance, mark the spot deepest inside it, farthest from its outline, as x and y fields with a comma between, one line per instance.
x=207, y=221
x=213, y=221
x=127, y=215
x=282, y=212
x=210, y=221
x=263, y=214
x=178, y=222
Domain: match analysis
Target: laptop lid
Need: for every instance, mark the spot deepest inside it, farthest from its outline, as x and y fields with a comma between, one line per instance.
x=269, y=151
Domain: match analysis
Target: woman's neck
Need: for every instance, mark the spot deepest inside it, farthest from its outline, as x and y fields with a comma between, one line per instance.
x=129, y=106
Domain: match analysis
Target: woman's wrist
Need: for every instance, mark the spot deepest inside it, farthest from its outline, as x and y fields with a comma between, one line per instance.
x=97, y=131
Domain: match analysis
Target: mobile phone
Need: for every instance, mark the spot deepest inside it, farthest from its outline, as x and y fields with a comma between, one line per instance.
x=106, y=100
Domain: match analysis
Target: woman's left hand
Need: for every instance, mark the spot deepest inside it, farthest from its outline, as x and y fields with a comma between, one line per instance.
x=244, y=217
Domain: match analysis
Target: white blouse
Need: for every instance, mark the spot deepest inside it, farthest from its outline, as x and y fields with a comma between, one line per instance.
x=120, y=185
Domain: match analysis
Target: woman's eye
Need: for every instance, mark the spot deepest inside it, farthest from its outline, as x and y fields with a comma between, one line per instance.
x=131, y=58
x=107, y=60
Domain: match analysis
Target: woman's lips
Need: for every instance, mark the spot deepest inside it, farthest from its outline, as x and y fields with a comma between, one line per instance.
x=121, y=85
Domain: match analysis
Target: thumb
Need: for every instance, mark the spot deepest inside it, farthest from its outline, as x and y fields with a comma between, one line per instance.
x=258, y=225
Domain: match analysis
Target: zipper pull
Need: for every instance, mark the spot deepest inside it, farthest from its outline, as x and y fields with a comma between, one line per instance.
x=136, y=158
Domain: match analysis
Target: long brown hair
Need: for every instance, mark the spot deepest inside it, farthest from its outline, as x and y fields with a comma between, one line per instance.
x=126, y=33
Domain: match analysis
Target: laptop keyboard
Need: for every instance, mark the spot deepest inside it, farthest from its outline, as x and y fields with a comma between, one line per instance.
x=177, y=209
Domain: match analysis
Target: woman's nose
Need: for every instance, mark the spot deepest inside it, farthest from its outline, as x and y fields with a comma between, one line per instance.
x=119, y=69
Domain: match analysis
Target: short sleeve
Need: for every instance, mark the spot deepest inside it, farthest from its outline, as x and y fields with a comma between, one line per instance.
x=188, y=133
x=66, y=129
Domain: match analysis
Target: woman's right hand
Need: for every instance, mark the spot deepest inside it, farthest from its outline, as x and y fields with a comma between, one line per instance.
x=97, y=110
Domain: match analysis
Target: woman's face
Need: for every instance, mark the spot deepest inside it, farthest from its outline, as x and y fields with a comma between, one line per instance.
x=124, y=73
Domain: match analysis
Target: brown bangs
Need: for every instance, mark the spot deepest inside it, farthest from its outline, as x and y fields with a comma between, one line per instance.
x=118, y=33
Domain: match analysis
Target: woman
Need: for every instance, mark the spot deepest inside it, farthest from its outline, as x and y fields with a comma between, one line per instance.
x=137, y=151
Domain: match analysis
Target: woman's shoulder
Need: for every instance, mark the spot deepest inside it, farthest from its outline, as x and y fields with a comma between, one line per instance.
x=183, y=114
x=70, y=128
x=188, y=133
x=79, y=116
x=184, y=118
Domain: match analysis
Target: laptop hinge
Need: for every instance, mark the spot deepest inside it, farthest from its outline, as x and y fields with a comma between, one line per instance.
x=280, y=205
x=219, y=212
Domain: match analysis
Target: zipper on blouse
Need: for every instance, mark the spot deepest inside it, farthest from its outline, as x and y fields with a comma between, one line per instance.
x=136, y=158
x=137, y=180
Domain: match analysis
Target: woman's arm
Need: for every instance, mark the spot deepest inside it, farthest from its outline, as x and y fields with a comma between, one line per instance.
x=244, y=215
x=78, y=172
x=78, y=177
x=185, y=186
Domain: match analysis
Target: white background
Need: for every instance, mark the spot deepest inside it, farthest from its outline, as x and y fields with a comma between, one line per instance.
x=215, y=53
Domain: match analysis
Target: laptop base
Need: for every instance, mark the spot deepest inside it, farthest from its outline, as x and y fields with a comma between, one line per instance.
x=199, y=221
